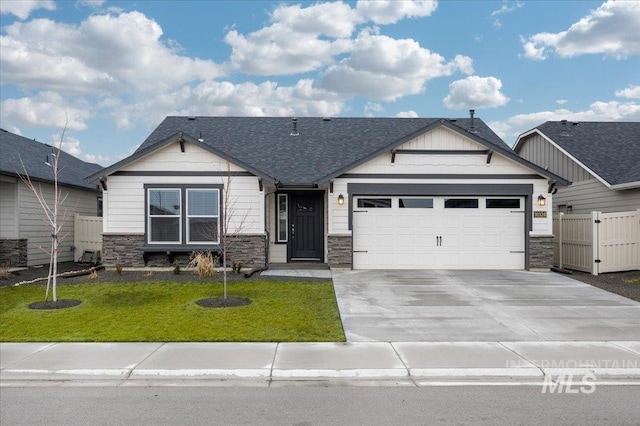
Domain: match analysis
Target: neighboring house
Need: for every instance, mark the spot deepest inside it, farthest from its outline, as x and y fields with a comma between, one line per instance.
x=362, y=193
x=602, y=159
x=24, y=232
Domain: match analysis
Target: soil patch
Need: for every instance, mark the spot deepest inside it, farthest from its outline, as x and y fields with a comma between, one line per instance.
x=59, y=304
x=219, y=302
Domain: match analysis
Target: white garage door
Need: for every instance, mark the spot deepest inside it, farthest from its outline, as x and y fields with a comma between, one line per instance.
x=391, y=232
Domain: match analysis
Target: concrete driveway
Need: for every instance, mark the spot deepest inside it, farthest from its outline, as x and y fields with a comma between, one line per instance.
x=416, y=306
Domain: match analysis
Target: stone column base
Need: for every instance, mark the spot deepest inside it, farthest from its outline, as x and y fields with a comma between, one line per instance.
x=340, y=251
x=540, y=253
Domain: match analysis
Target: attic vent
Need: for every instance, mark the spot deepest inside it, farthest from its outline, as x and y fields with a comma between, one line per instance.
x=192, y=118
x=294, y=129
x=472, y=124
x=326, y=119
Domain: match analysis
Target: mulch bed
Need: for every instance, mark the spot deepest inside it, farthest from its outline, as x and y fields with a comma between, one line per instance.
x=58, y=304
x=219, y=302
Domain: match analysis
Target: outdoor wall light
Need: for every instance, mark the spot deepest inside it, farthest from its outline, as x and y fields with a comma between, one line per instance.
x=340, y=199
x=542, y=201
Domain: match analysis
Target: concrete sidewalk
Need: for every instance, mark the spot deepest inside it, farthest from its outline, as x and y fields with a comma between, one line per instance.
x=267, y=363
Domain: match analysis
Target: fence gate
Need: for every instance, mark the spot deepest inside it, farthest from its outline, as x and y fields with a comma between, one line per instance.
x=597, y=242
x=87, y=234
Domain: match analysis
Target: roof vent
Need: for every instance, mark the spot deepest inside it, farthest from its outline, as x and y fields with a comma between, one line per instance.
x=564, y=131
x=191, y=118
x=563, y=122
x=326, y=118
x=472, y=123
x=294, y=129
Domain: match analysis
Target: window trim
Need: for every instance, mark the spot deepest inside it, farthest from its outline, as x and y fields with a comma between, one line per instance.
x=149, y=216
x=183, y=223
x=188, y=216
x=286, y=217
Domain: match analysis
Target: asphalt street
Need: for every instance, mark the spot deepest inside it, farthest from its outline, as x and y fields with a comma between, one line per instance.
x=317, y=405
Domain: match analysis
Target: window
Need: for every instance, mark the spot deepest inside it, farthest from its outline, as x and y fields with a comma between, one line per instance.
x=99, y=207
x=461, y=203
x=168, y=222
x=416, y=203
x=503, y=203
x=374, y=203
x=283, y=217
x=203, y=225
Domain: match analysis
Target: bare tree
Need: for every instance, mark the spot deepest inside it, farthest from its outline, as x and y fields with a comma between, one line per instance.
x=52, y=211
x=233, y=223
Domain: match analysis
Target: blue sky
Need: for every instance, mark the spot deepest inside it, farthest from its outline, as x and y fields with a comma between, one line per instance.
x=115, y=69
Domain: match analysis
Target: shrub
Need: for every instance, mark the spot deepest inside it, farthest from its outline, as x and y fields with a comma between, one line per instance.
x=176, y=268
x=4, y=271
x=119, y=269
x=204, y=262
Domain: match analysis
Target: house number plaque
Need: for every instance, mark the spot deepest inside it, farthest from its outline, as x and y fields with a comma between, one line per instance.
x=540, y=214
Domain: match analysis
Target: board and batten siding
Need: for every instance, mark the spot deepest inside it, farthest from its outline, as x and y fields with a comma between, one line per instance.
x=34, y=227
x=588, y=196
x=536, y=149
x=8, y=208
x=446, y=164
x=124, y=201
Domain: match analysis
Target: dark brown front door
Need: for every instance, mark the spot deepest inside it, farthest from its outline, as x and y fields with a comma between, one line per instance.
x=307, y=230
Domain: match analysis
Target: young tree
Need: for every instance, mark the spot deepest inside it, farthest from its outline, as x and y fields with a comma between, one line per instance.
x=55, y=213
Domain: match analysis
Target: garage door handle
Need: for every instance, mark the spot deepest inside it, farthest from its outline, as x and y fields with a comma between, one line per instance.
x=361, y=251
x=516, y=251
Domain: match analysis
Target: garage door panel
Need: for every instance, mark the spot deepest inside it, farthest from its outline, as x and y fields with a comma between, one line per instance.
x=439, y=237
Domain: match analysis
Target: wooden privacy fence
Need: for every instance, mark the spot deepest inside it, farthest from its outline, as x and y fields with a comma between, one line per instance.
x=597, y=242
x=87, y=235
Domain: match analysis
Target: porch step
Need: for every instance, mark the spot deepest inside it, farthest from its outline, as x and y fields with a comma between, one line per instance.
x=298, y=265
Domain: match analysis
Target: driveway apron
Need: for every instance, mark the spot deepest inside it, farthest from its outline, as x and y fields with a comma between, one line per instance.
x=466, y=306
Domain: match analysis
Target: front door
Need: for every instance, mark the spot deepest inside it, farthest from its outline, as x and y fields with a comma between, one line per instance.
x=307, y=230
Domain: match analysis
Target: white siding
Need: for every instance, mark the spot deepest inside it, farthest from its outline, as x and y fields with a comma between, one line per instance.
x=124, y=209
x=33, y=225
x=8, y=209
x=592, y=195
x=441, y=139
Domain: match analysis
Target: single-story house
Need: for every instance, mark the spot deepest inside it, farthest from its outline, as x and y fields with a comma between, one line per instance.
x=602, y=159
x=362, y=193
x=24, y=232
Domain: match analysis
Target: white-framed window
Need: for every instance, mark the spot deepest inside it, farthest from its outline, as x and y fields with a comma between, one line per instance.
x=184, y=215
x=283, y=217
x=203, y=216
x=165, y=213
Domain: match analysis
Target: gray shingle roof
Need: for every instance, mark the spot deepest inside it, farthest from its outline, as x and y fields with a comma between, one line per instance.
x=321, y=148
x=71, y=170
x=609, y=149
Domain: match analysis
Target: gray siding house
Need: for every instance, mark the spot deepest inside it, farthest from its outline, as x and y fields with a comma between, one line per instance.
x=23, y=231
x=361, y=193
x=601, y=159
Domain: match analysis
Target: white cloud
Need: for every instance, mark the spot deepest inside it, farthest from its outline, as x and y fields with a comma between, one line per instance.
x=612, y=30
x=391, y=11
x=407, y=114
x=226, y=99
x=475, y=92
x=561, y=101
x=71, y=145
x=598, y=111
x=336, y=20
x=372, y=108
x=505, y=8
x=47, y=109
x=91, y=3
x=381, y=67
x=104, y=54
x=23, y=8
x=630, y=92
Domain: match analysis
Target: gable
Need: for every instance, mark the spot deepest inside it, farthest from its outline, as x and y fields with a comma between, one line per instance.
x=171, y=159
x=537, y=149
x=442, y=151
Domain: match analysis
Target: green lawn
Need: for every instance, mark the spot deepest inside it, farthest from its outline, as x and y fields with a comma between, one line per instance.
x=167, y=312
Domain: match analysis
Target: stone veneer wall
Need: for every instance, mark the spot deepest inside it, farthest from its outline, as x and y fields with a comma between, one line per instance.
x=540, y=253
x=123, y=249
x=248, y=250
x=339, y=251
x=13, y=252
x=127, y=249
